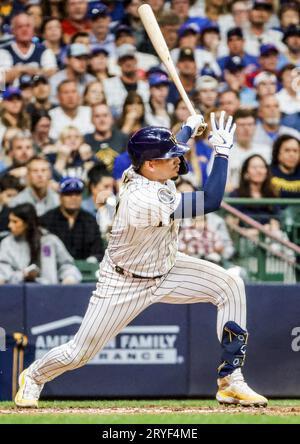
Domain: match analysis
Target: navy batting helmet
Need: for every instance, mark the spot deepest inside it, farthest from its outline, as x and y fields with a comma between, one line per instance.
x=154, y=142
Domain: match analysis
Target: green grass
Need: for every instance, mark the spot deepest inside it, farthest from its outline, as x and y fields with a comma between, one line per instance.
x=135, y=418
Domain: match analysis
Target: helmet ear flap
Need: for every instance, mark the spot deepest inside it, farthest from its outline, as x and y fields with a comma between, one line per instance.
x=183, y=168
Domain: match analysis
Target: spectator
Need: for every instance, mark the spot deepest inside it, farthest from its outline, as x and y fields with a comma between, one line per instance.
x=73, y=157
x=24, y=57
x=40, y=127
x=76, y=228
x=269, y=58
x=52, y=35
x=206, y=94
x=132, y=19
x=257, y=33
x=7, y=137
x=229, y=101
x=169, y=23
x=102, y=201
x=269, y=125
x=265, y=84
x=133, y=115
x=244, y=146
x=31, y=254
x=187, y=71
x=236, y=47
x=292, y=41
x=76, y=70
x=9, y=188
x=181, y=9
x=100, y=36
x=188, y=38
x=289, y=95
x=289, y=15
x=98, y=64
x=180, y=114
x=83, y=38
x=93, y=94
x=76, y=18
x=34, y=11
x=12, y=114
x=116, y=88
x=107, y=141
x=20, y=152
x=124, y=35
x=38, y=191
x=41, y=92
x=235, y=77
x=53, y=8
x=285, y=166
x=210, y=39
x=255, y=182
x=25, y=86
x=238, y=17
x=158, y=111
x=69, y=112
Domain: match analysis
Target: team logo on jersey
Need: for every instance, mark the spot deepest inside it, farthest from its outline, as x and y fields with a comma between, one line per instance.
x=166, y=196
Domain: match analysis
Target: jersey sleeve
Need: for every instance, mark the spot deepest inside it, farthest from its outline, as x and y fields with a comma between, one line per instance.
x=152, y=207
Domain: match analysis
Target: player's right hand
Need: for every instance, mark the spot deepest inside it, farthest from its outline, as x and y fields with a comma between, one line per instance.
x=221, y=135
x=196, y=123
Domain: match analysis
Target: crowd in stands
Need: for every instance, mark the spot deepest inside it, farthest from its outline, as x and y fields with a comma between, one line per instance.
x=79, y=77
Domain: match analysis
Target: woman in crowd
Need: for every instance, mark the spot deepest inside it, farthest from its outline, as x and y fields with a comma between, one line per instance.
x=9, y=187
x=93, y=94
x=12, y=111
x=255, y=182
x=53, y=8
x=133, y=115
x=99, y=64
x=53, y=38
x=32, y=254
x=35, y=11
x=285, y=166
x=40, y=127
x=158, y=111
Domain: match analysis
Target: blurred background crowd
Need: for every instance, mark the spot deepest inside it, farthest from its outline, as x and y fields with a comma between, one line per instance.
x=79, y=77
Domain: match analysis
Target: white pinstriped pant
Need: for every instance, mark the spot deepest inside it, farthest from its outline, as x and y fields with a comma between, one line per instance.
x=119, y=299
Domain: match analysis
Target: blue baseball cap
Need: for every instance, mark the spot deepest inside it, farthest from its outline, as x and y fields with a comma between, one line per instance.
x=71, y=185
x=97, y=10
x=234, y=64
x=188, y=28
x=268, y=49
x=156, y=79
x=10, y=92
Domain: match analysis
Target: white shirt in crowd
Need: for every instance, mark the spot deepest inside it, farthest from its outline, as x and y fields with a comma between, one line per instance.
x=116, y=93
x=48, y=60
x=288, y=104
x=60, y=121
x=202, y=58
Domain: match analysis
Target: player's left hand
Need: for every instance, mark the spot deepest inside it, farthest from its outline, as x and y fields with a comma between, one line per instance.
x=197, y=124
x=221, y=136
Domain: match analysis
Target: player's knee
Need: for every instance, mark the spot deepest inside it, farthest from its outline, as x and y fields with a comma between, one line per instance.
x=234, y=287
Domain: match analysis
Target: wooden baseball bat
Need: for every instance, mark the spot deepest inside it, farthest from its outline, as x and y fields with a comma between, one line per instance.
x=155, y=35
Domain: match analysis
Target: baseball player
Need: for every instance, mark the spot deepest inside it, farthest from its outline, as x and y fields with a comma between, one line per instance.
x=142, y=266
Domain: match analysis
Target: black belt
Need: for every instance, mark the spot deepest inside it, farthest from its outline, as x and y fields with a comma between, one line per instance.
x=132, y=275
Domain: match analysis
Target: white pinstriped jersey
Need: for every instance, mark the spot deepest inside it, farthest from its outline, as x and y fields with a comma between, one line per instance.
x=144, y=238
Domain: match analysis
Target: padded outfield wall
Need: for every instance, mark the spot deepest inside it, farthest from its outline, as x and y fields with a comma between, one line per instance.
x=169, y=350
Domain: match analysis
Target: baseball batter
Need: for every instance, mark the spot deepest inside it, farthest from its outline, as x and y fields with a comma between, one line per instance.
x=142, y=265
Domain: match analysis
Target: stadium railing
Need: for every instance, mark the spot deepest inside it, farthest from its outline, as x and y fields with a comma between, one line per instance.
x=265, y=255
